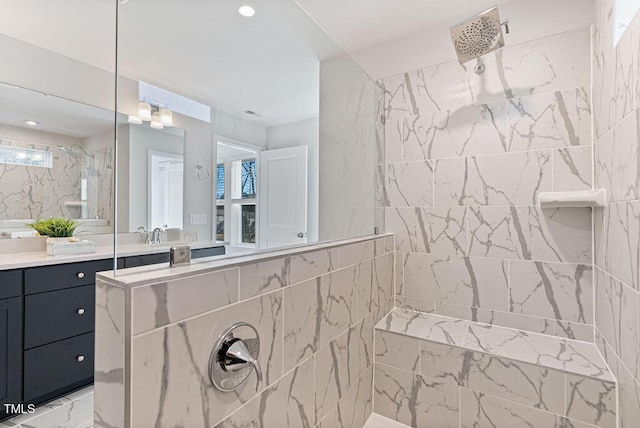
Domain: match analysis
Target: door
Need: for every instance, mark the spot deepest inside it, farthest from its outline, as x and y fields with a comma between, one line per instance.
x=283, y=204
x=166, y=172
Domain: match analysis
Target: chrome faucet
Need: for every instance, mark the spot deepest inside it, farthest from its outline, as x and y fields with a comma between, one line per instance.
x=157, y=235
x=141, y=229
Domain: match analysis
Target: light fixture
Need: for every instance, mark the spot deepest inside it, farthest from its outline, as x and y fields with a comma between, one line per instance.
x=21, y=155
x=36, y=157
x=144, y=111
x=135, y=120
x=166, y=117
x=246, y=11
x=156, y=122
x=31, y=122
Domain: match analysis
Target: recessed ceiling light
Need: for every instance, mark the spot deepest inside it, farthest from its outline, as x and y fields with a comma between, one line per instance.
x=247, y=11
x=31, y=122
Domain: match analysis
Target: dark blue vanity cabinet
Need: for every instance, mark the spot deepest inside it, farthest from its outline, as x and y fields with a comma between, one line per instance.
x=11, y=305
x=47, y=323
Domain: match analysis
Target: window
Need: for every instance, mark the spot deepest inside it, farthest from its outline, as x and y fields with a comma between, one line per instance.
x=236, y=194
x=28, y=157
x=220, y=181
x=249, y=179
x=220, y=223
x=625, y=10
x=249, y=224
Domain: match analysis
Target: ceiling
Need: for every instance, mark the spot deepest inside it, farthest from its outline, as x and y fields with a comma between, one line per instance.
x=55, y=115
x=202, y=49
x=357, y=24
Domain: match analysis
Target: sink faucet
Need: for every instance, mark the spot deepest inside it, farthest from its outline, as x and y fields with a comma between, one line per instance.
x=156, y=235
x=141, y=229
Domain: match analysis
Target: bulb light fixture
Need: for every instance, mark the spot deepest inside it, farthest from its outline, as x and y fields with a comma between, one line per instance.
x=144, y=111
x=156, y=122
x=31, y=122
x=158, y=114
x=246, y=11
x=166, y=117
x=134, y=120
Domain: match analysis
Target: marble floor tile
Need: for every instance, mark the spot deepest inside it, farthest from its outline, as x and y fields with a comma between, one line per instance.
x=70, y=415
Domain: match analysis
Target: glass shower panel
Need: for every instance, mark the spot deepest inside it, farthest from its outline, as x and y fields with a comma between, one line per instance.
x=272, y=82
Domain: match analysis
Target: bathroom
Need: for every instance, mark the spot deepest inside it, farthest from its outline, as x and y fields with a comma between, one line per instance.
x=320, y=214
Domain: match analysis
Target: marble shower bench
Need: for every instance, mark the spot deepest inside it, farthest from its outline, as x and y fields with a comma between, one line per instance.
x=436, y=371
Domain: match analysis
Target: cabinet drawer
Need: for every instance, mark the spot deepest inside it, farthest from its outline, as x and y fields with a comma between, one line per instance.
x=57, y=366
x=49, y=278
x=56, y=315
x=147, y=259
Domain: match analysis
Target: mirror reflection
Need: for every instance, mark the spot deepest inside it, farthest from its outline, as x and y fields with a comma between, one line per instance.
x=238, y=132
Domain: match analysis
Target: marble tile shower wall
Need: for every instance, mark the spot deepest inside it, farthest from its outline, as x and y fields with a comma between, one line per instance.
x=616, y=105
x=33, y=192
x=315, y=312
x=465, y=158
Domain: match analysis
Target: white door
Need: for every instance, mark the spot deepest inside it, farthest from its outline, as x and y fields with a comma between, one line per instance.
x=283, y=200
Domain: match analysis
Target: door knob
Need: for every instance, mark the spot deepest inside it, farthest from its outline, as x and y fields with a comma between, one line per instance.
x=300, y=235
x=234, y=357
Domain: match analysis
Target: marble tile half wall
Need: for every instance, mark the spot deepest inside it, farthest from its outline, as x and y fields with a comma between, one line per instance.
x=466, y=156
x=315, y=312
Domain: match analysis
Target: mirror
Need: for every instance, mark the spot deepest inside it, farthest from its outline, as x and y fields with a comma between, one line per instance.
x=150, y=177
x=56, y=160
x=298, y=112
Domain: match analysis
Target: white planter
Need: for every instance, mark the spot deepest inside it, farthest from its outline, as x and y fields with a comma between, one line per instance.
x=62, y=246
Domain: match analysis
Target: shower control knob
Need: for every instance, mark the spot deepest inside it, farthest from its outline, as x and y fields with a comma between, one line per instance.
x=234, y=357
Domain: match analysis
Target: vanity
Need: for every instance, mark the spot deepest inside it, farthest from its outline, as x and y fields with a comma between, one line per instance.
x=47, y=318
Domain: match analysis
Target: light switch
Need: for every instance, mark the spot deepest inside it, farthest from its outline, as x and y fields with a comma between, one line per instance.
x=198, y=219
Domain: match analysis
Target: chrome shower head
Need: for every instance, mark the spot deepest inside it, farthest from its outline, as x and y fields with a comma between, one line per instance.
x=478, y=36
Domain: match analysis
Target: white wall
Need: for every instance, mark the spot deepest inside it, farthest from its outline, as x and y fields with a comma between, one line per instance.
x=528, y=20
x=302, y=133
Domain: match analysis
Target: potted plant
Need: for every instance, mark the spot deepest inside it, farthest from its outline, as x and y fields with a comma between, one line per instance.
x=60, y=240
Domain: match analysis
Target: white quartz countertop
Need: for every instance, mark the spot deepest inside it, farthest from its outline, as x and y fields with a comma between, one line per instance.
x=40, y=258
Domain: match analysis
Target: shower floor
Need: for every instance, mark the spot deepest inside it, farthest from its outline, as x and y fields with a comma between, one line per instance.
x=377, y=421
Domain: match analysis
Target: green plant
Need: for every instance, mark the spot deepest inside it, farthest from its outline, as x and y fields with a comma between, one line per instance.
x=55, y=227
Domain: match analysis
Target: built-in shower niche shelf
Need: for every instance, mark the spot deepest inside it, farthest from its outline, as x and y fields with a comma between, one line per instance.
x=578, y=198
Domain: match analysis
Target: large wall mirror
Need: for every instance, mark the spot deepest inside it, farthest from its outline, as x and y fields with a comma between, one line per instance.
x=249, y=132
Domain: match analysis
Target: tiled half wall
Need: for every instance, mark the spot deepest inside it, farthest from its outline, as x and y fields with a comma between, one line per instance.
x=315, y=309
x=465, y=158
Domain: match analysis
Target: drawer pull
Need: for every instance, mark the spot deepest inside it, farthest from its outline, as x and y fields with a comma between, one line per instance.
x=80, y=275
x=80, y=311
x=80, y=358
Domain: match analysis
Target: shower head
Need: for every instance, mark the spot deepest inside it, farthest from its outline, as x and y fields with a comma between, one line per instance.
x=478, y=36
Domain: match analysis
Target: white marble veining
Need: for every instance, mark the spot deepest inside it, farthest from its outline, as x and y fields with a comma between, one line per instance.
x=73, y=410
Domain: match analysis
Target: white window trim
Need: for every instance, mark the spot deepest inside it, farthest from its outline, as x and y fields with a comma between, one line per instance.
x=233, y=237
